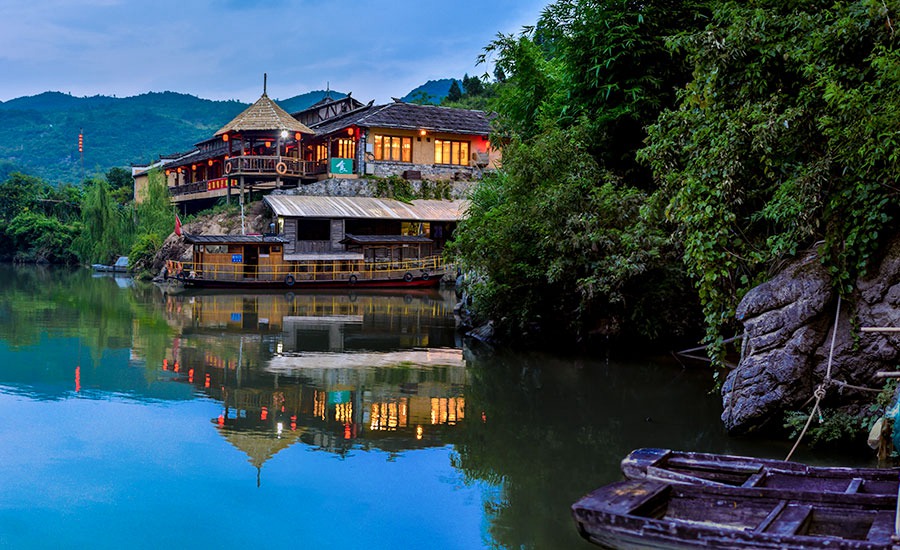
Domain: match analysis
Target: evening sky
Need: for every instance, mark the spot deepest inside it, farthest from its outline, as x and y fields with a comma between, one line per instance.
x=219, y=49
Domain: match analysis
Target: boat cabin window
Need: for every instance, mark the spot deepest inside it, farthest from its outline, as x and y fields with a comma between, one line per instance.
x=313, y=230
x=216, y=249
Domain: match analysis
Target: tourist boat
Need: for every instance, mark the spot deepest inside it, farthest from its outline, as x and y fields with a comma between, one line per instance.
x=647, y=513
x=740, y=471
x=259, y=261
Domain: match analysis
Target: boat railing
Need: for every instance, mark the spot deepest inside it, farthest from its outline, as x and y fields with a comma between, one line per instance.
x=317, y=270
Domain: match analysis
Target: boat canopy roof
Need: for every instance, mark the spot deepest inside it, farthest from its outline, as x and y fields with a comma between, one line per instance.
x=233, y=239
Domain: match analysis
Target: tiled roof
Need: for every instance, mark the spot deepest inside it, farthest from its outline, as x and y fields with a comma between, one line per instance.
x=264, y=115
x=409, y=116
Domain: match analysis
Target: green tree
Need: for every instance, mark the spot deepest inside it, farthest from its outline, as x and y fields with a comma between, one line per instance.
x=454, y=94
x=786, y=136
x=563, y=241
x=107, y=228
x=155, y=219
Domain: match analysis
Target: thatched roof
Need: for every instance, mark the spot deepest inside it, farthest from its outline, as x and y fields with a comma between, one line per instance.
x=264, y=115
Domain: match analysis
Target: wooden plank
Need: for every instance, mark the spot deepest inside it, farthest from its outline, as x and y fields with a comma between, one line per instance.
x=790, y=521
x=764, y=524
x=661, y=473
x=882, y=526
x=854, y=486
x=715, y=465
x=754, y=480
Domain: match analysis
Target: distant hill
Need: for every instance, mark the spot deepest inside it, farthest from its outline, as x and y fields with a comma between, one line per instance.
x=39, y=134
x=434, y=90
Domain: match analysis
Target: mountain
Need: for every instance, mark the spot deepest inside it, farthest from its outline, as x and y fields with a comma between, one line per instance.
x=434, y=91
x=39, y=134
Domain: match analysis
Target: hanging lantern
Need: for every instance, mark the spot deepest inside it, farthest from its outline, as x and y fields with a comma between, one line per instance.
x=209, y=162
x=225, y=137
x=268, y=144
x=168, y=172
x=298, y=136
x=349, y=131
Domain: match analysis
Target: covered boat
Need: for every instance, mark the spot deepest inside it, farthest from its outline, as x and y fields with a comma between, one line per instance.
x=646, y=513
x=259, y=261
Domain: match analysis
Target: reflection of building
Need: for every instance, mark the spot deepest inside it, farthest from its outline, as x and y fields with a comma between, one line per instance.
x=334, y=371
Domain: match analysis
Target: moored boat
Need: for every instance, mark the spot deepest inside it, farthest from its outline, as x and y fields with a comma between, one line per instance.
x=647, y=513
x=740, y=471
x=259, y=261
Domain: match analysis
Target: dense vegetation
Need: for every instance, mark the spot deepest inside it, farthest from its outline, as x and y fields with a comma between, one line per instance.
x=647, y=144
x=39, y=134
x=88, y=223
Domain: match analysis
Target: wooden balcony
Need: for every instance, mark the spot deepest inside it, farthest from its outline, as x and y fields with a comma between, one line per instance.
x=273, y=167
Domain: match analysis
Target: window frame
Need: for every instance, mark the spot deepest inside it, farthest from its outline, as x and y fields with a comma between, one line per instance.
x=392, y=144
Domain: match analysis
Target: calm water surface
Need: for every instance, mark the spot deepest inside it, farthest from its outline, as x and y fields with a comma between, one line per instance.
x=339, y=420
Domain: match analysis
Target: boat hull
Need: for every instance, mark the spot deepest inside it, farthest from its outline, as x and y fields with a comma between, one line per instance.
x=652, y=514
x=414, y=283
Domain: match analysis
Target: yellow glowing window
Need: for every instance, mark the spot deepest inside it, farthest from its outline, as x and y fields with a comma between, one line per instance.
x=393, y=148
x=451, y=152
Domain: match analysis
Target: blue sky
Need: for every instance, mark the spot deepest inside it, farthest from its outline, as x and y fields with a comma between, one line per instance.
x=219, y=49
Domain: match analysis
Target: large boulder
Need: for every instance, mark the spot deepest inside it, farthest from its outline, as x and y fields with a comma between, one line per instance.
x=788, y=325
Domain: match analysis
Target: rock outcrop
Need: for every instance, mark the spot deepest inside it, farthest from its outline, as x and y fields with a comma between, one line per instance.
x=787, y=341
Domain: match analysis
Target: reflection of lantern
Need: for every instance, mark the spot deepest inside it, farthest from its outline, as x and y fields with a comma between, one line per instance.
x=225, y=137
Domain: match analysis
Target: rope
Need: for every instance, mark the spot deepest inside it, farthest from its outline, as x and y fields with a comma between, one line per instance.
x=819, y=393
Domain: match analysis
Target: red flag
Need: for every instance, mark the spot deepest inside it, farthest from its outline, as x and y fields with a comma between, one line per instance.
x=177, y=224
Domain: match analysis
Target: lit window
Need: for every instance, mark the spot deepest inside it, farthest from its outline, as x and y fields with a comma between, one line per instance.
x=346, y=148
x=393, y=148
x=451, y=152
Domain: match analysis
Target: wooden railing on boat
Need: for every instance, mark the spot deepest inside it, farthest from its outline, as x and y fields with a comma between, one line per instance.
x=317, y=270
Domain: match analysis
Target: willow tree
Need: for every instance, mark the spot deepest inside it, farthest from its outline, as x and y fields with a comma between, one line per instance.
x=107, y=228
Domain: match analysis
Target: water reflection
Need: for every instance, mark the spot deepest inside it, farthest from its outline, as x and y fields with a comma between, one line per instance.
x=336, y=372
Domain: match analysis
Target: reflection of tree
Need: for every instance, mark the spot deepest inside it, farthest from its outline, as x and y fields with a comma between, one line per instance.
x=87, y=318
x=547, y=432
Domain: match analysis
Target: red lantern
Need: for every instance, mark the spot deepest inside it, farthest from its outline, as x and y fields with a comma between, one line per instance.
x=210, y=162
x=349, y=131
x=268, y=144
x=225, y=137
x=297, y=136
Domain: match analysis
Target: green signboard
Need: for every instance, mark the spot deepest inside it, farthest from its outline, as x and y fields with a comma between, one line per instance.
x=341, y=166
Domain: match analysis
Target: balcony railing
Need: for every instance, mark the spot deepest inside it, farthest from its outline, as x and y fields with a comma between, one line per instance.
x=272, y=166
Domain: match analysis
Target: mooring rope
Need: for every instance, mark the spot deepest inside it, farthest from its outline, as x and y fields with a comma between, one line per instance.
x=819, y=392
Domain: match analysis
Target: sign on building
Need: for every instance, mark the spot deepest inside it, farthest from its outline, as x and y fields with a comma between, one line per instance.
x=341, y=166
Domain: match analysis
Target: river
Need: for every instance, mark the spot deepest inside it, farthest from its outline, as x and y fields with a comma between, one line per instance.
x=328, y=420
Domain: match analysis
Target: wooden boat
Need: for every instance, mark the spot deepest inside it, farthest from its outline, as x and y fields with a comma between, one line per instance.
x=647, y=513
x=740, y=471
x=260, y=262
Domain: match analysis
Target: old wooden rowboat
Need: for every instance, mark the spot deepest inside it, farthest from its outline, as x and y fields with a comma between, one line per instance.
x=740, y=471
x=646, y=513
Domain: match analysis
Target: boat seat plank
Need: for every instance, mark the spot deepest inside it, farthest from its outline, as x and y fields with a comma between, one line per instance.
x=790, y=521
x=854, y=486
x=882, y=526
x=755, y=479
x=764, y=524
x=629, y=497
